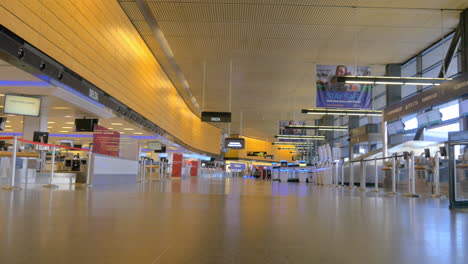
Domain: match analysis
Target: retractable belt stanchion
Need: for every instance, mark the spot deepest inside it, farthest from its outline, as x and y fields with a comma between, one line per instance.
x=342, y=174
x=90, y=167
x=376, y=177
x=410, y=174
x=394, y=159
x=52, y=170
x=362, y=184
x=13, y=166
x=337, y=167
x=436, y=173
x=351, y=175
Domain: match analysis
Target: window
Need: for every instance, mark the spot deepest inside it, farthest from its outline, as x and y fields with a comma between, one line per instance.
x=410, y=122
x=447, y=128
x=450, y=110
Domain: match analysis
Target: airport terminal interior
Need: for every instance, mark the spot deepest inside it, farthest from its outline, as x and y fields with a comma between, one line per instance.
x=233, y=131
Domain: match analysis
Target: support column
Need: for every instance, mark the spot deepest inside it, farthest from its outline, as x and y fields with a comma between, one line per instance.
x=393, y=92
x=31, y=123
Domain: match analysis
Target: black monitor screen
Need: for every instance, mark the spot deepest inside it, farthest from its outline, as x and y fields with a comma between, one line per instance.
x=85, y=125
x=41, y=137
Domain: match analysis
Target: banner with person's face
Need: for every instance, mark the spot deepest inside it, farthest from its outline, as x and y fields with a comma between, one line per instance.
x=333, y=94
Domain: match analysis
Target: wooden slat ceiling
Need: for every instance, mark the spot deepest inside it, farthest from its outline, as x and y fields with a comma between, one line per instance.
x=274, y=46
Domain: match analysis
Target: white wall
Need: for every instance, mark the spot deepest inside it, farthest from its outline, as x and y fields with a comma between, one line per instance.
x=113, y=165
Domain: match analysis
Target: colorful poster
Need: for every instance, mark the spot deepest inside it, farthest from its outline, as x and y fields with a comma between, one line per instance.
x=105, y=141
x=333, y=94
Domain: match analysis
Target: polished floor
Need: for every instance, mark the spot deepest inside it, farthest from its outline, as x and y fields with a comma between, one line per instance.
x=226, y=220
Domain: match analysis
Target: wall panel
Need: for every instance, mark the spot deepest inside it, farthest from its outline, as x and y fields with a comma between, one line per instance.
x=95, y=39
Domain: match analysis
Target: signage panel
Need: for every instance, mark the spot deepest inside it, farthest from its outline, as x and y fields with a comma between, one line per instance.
x=234, y=143
x=216, y=117
x=22, y=105
x=445, y=92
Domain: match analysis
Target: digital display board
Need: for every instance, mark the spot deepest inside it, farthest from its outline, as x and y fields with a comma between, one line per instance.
x=234, y=143
x=22, y=105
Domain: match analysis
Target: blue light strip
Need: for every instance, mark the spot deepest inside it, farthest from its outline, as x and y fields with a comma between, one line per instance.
x=10, y=134
x=24, y=83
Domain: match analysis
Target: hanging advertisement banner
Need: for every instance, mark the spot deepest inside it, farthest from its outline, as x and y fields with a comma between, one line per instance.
x=334, y=94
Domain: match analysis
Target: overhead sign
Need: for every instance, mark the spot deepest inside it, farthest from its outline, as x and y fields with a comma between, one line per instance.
x=105, y=141
x=216, y=117
x=22, y=105
x=257, y=154
x=445, y=92
x=334, y=94
x=234, y=143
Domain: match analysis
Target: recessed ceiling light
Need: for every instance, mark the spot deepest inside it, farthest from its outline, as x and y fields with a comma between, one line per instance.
x=8, y=130
x=50, y=122
x=67, y=127
x=138, y=133
x=68, y=116
x=127, y=128
x=116, y=124
x=49, y=127
x=63, y=131
x=2, y=95
x=70, y=123
x=60, y=108
x=7, y=126
x=8, y=121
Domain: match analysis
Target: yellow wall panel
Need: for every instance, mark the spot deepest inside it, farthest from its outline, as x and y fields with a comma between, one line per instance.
x=95, y=39
x=257, y=145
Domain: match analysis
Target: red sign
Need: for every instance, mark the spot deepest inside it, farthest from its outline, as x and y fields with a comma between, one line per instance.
x=105, y=141
x=176, y=165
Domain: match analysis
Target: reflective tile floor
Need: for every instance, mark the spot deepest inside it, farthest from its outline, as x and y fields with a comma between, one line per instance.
x=225, y=220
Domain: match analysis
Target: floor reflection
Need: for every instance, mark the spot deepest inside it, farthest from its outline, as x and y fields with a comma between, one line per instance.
x=226, y=220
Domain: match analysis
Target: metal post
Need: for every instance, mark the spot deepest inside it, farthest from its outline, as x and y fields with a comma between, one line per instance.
x=363, y=176
x=337, y=168
x=376, y=177
x=151, y=171
x=394, y=168
x=13, y=166
x=436, y=176
x=351, y=175
x=411, y=176
x=342, y=173
x=89, y=167
x=52, y=170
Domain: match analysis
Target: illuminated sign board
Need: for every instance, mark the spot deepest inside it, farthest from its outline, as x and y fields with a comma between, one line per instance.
x=234, y=143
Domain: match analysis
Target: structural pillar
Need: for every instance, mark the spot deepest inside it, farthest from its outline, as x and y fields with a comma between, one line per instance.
x=393, y=92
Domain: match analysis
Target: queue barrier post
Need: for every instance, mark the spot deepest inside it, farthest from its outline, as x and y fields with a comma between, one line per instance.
x=52, y=170
x=351, y=175
x=436, y=174
x=410, y=173
x=376, y=177
x=363, y=176
x=342, y=174
x=90, y=168
x=13, y=167
x=394, y=161
x=337, y=168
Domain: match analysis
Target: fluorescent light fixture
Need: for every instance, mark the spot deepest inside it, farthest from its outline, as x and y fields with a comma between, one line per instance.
x=50, y=122
x=392, y=80
x=292, y=143
x=67, y=127
x=7, y=126
x=344, y=112
x=116, y=124
x=127, y=128
x=392, y=83
x=138, y=133
x=360, y=82
x=298, y=136
x=70, y=123
x=321, y=128
x=63, y=131
x=68, y=116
